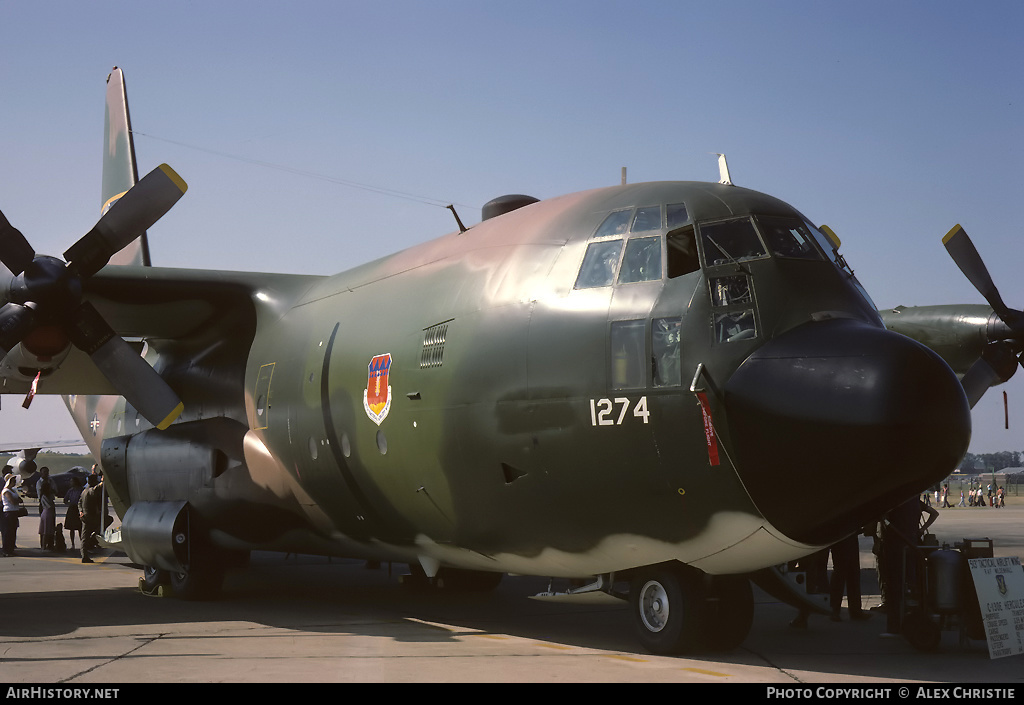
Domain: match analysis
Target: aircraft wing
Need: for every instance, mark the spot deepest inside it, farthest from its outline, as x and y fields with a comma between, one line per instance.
x=158, y=306
x=39, y=445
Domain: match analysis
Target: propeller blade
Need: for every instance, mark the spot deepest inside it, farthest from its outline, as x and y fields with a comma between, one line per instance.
x=15, y=251
x=963, y=252
x=15, y=323
x=130, y=216
x=131, y=375
x=996, y=365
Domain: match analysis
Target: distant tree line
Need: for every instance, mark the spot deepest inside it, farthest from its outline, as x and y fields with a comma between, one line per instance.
x=990, y=462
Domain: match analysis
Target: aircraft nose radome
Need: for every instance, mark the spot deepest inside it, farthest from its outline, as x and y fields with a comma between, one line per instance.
x=835, y=422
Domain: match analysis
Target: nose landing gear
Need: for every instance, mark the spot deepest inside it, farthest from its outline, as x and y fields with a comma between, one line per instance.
x=677, y=609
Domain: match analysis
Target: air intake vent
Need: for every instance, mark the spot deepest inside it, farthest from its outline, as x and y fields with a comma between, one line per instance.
x=433, y=345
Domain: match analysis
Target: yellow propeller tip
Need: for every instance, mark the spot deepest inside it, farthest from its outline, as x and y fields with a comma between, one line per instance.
x=952, y=233
x=173, y=176
x=171, y=417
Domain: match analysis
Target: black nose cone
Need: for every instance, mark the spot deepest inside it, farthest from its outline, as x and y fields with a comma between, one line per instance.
x=836, y=422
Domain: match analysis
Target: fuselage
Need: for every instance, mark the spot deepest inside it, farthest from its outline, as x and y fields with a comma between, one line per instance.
x=595, y=382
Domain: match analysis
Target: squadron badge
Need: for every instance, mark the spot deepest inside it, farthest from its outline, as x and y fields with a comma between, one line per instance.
x=377, y=395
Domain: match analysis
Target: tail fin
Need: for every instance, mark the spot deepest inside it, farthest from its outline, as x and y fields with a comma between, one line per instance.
x=120, y=172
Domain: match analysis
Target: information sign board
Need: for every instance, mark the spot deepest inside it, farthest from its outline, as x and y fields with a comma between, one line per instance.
x=1000, y=586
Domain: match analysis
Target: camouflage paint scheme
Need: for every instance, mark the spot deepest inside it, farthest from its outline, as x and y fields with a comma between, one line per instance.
x=492, y=460
x=467, y=403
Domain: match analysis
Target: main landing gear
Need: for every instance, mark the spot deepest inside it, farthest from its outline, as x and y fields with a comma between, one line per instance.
x=200, y=579
x=678, y=609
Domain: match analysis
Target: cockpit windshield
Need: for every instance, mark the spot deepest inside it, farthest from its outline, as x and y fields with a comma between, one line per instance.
x=730, y=241
x=599, y=264
x=642, y=261
x=788, y=237
x=831, y=250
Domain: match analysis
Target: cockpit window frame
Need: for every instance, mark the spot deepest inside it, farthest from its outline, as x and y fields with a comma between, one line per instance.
x=762, y=222
x=731, y=259
x=635, y=225
x=634, y=246
x=620, y=227
x=588, y=266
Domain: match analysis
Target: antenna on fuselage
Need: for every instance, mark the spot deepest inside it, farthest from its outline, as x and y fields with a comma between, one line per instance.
x=723, y=170
x=462, y=228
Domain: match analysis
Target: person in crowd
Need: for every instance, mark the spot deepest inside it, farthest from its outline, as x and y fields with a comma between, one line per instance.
x=12, y=502
x=47, y=494
x=73, y=518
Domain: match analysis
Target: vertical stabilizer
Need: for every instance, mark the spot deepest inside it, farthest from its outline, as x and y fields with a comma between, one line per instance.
x=120, y=172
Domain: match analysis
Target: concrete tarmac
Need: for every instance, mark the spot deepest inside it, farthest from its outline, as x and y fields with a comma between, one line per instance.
x=309, y=619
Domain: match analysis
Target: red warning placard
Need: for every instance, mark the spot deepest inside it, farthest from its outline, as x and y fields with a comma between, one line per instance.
x=709, y=429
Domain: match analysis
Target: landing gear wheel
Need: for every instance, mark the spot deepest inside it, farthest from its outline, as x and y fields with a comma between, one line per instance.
x=153, y=578
x=197, y=582
x=202, y=578
x=667, y=601
x=730, y=613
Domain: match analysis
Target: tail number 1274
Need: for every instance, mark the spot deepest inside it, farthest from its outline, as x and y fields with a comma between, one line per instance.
x=612, y=412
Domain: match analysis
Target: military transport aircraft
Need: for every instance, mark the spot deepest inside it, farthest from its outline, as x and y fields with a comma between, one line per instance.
x=617, y=386
x=24, y=462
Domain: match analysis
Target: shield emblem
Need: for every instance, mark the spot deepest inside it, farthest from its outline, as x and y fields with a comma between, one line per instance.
x=377, y=395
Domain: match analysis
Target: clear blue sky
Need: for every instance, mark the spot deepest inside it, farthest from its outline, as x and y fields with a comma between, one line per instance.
x=889, y=121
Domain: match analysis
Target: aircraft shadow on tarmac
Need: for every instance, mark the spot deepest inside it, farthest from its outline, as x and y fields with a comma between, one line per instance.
x=314, y=594
x=311, y=593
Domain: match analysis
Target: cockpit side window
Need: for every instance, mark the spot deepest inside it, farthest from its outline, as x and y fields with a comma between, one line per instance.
x=599, y=264
x=642, y=261
x=682, y=252
x=615, y=224
x=788, y=237
x=730, y=241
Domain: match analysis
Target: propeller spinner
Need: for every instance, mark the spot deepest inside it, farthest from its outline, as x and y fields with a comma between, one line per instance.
x=47, y=290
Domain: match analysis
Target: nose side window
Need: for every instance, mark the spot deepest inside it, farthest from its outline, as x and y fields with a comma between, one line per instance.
x=627, y=354
x=733, y=308
x=726, y=291
x=665, y=339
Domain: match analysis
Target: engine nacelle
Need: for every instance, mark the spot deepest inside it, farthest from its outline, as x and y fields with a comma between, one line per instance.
x=23, y=464
x=43, y=350
x=157, y=534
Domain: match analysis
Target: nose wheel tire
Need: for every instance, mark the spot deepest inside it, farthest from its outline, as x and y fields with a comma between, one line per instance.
x=666, y=603
x=729, y=614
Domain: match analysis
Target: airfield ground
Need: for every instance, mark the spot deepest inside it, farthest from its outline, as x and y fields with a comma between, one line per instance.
x=309, y=619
